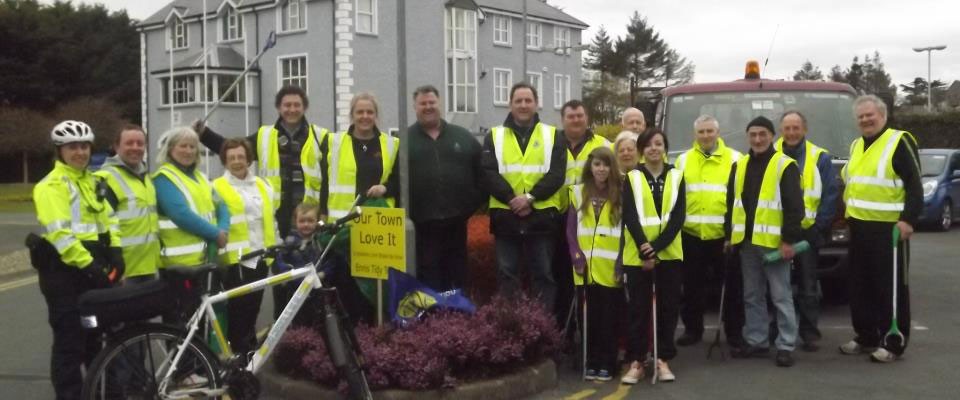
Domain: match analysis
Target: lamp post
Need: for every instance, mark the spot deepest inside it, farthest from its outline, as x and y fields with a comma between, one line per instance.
x=929, y=50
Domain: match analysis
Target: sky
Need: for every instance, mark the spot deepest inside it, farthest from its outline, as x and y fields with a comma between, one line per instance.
x=720, y=36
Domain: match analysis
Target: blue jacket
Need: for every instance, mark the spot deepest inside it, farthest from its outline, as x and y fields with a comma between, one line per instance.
x=830, y=193
x=171, y=203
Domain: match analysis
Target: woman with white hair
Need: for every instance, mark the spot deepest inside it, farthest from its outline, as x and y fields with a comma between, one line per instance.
x=625, y=147
x=191, y=217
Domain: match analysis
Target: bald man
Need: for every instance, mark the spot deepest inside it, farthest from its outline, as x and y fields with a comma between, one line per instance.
x=632, y=120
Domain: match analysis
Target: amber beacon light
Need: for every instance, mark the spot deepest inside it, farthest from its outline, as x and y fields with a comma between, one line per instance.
x=752, y=70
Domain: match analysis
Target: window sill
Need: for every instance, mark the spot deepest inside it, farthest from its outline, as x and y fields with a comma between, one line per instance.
x=367, y=34
x=292, y=32
x=178, y=49
x=495, y=104
x=229, y=41
x=535, y=48
x=498, y=44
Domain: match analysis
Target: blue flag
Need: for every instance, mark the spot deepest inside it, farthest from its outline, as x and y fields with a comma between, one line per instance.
x=410, y=300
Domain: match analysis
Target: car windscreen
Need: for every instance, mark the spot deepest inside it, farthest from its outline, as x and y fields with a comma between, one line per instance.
x=829, y=116
x=932, y=164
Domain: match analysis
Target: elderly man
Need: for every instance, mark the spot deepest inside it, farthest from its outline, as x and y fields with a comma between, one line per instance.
x=632, y=120
x=765, y=207
x=444, y=191
x=883, y=193
x=819, y=201
x=524, y=162
x=706, y=169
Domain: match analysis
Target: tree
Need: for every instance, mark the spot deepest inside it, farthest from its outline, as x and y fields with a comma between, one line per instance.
x=875, y=79
x=918, y=90
x=21, y=130
x=808, y=72
x=600, y=91
x=647, y=59
x=836, y=74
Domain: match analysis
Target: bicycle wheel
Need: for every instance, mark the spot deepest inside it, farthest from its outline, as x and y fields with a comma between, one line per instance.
x=344, y=353
x=132, y=366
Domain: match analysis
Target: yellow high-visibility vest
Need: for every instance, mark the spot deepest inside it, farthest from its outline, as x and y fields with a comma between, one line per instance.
x=342, y=171
x=239, y=237
x=810, y=181
x=768, y=217
x=874, y=192
x=576, y=164
x=599, y=240
x=179, y=247
x=523, y=169
x=268, y=157
x=138, y=221
x=706, y=184
x=652, y=223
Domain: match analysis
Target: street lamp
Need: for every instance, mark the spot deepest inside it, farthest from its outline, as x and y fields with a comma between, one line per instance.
x=929, y=83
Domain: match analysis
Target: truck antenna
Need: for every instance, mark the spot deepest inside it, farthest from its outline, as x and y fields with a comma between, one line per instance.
x=769, y=50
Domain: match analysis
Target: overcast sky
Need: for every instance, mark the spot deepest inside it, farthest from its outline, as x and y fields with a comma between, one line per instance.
x=719, y=36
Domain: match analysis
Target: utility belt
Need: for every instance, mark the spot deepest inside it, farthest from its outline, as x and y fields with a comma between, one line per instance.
x=43, y=255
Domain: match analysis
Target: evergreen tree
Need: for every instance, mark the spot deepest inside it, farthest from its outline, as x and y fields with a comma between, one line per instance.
x=808, y=72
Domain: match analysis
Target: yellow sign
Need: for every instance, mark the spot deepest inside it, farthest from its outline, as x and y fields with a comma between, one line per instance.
x=377, y=242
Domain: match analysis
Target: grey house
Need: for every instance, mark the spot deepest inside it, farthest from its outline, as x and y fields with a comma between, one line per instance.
x=471, y=50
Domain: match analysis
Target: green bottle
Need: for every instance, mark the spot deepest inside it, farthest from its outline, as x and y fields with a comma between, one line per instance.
x=798, y=247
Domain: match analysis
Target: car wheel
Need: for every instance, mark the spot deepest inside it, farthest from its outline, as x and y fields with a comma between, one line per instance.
x=946, y=216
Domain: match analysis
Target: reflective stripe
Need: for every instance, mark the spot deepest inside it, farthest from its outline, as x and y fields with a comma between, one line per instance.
x=812, y=193
x=238, y=219
x=769, y=204
x=547, y=136
x=182, y=187
x=138, y=240
x=705, y=219
x=338, y=213
x=706, y=187
x=135, y=212
x=334, y=163
x=651, y=221
x=874, y=205
x=128, y=192
x=571, y=180
x=498, y=148
x=758, y=228
x=876, y=181
x=587, y=231
x=269, y=172
x=525, y=168
x=887, y=149
x=341, y=189
x=577, y=164
x=307, y=192
x=167, y=224
x=810, y=214
x=183, y=250
x=65, y=242
x=265, y=170
x=605, y=254
x=75, y=228
x=234, y=246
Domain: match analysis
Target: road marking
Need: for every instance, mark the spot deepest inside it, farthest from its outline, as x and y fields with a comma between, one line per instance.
x=17, y=283
x=581, y=394
x=622, y=391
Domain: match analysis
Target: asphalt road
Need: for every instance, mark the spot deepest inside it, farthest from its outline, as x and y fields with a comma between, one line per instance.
x=928, y=371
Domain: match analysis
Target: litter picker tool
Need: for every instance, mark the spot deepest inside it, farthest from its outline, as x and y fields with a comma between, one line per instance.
x=271, y=41
x=894, y=332
x=653, y=318
x=717, y=343
x=586, y=280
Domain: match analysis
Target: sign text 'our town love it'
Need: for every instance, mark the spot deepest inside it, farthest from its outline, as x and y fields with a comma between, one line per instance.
x=377, y=242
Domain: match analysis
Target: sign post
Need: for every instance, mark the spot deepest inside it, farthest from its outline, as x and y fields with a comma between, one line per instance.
x=377, y=242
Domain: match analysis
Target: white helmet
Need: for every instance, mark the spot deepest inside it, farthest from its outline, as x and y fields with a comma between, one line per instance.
x=70, y=131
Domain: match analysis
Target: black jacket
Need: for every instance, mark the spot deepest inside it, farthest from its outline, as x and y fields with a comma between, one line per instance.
x=791, y=196
x=444, y=173
x=504, y=221
x=631, y=219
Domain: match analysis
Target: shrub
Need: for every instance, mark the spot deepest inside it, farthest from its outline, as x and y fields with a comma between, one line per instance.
x=440, y=351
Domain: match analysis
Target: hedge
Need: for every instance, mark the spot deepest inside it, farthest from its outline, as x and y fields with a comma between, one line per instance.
x=932, y=130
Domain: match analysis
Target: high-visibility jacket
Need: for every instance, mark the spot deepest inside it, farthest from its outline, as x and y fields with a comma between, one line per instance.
x=523, y=169
x=576, y=164
x=706, y=183
x=768, y=216
x=268, y=156
x=238, y=242
x=599, y=240
x=874, y=192
x=652, y=222
x=342, y=171
x=138, y=221
x=71, y=215
x=179, y=247
x=810, y=181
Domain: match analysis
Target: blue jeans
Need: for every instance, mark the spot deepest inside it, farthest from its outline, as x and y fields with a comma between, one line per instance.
x=757, y=276
x=539, y=254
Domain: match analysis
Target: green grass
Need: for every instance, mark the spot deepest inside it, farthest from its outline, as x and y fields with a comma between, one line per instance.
x=16, y=197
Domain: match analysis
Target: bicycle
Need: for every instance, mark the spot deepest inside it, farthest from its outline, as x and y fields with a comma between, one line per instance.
x=157, y=361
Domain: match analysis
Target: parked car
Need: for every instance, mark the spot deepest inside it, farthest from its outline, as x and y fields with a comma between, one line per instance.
x=940, y=171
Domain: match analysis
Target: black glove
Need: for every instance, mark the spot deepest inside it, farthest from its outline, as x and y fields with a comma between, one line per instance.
x=116, y=260
x=97, y=274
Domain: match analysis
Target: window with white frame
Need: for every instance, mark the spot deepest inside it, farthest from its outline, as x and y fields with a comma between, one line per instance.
x=293, y=16
x=180, y=90
x=561, y=90
x=561, y=37
x=461, y=60
x=231, y=25
x=177, y=38
x=502, y=28
x=293, y=71
x=366, y=16
x=535, y=79
x=218, y=84
x=502, y=81
x=534, y=35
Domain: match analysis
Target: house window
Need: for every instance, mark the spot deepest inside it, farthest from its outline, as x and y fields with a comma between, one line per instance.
x=534, y=35
x=502, y=81
x=293, y=71
x=561, y=90
x=367, y=16
x=561, y=37
x=231, y=25
x=180, y=91
x=178, y=35
x=217, y=85
x=293, y=16
x=501, y=30
x=535, y=79
x=461, y=60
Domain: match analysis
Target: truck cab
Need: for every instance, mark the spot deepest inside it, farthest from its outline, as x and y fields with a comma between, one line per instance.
x=828, y=107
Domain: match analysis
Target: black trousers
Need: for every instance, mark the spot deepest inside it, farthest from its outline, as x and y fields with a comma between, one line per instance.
x=871, y=284
x=563, y=276
x=639, y=286
x=602, y=311
x=806, y=293
x=73, y=346
x=442, y=253
x=242, y=311
x=703, y=261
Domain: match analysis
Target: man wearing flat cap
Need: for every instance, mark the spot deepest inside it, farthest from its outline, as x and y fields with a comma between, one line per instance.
x=765, y=208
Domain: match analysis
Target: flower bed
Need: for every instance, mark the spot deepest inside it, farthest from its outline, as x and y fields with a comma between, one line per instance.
x=440, y=351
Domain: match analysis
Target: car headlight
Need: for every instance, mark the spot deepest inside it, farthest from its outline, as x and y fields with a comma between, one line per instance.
x=929, y=187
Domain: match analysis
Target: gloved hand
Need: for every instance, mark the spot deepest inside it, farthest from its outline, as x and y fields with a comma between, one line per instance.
x=198, y=127
x=117, y=264
x=579, y=262
x=97, y=274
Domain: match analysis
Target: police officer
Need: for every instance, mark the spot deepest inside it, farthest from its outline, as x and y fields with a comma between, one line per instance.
x=706, y=168
x=524, y=162
x=883, y=193
x=131, y=194
x=81, y=251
